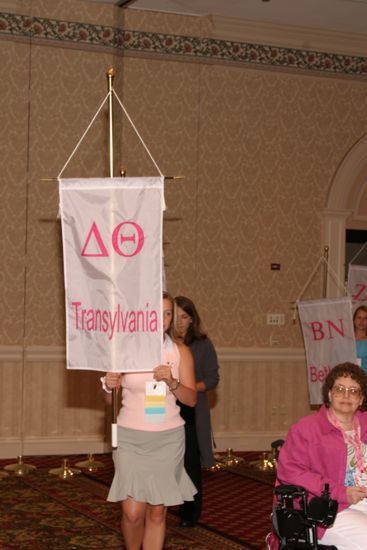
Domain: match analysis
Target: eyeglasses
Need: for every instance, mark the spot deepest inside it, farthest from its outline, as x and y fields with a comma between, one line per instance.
x=342, y=390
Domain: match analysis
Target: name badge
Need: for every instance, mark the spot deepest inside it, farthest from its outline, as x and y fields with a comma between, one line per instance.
x=153, y=388
x=155, y=401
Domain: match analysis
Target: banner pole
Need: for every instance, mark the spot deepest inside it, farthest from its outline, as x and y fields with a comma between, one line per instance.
x=110, y=76
x=326, y=265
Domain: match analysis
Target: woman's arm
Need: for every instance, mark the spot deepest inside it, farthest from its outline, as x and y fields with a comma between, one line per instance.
x=207, y=369
x=184, y=390
x=111, y=380
x=306, y=462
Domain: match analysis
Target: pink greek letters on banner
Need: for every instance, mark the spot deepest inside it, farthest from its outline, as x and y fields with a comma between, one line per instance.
x=328, y=334
x=112, y=241
x=116, y=241
x=357, y=285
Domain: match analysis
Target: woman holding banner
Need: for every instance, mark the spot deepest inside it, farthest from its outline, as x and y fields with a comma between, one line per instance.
x=331, y=447
x=360, y=332
x=149, y=460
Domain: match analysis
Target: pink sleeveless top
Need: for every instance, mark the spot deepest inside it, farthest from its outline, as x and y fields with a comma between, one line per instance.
x=147, y=410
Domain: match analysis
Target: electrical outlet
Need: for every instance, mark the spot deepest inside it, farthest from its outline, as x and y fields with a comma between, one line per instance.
x=275, y=319
x=274, y=340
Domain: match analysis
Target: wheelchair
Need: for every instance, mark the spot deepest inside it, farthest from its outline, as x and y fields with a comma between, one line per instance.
x=295, y=518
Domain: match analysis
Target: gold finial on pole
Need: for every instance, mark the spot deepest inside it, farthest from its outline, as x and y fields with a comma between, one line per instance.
x=326, y=265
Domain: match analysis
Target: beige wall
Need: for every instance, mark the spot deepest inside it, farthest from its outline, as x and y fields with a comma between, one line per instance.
x=259, y=146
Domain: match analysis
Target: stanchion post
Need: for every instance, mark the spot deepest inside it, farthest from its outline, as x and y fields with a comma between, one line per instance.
x=110, y=76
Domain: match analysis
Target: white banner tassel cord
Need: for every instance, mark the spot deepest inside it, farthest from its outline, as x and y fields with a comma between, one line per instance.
x=83, y=136
x=306, y=286
x=339, y=283
x=91, y=123
x=358, y=253
x=331, y=271
x=133, y=126
x=137, y=133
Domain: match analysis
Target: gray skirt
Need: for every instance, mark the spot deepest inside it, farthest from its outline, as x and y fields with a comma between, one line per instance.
x=149, y=467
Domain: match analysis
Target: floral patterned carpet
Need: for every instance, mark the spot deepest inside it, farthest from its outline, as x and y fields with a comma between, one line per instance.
x=41, y=511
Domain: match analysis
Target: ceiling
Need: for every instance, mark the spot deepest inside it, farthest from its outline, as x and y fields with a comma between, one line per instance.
x=349, y=16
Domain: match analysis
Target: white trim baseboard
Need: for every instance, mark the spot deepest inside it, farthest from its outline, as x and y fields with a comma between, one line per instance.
x=46, y=354
x=246, y=441
x=238, y=441
x=13, y=448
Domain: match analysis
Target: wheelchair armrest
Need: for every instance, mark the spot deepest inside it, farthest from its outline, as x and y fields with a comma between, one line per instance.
x=290, y=490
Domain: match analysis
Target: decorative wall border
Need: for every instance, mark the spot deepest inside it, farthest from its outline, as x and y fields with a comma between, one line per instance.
x=187, y=47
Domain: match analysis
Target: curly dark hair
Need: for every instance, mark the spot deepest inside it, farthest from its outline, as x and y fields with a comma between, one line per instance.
x=346, y=369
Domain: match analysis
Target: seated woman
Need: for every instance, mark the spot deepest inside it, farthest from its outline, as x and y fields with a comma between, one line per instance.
x=331, y=447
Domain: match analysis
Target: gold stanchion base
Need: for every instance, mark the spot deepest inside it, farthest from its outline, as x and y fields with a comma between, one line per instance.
x=216, y=467
x=230, y=459
x=266, y=462
x=91, y=464
x=65, y=472
x=20, y=468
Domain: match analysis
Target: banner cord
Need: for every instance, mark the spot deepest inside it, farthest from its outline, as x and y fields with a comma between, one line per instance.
x=137, y=133
x=358, y=253
x=338, y=282
x=310, y=279
x=92, y=121
x=330, y=270
x=83, y=136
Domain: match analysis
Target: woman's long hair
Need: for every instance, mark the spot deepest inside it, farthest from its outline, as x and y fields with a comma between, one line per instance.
x=167, y=296
x=360, y=308
x=194, y=330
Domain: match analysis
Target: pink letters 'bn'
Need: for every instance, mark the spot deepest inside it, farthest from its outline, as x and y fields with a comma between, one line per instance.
x=319, y=331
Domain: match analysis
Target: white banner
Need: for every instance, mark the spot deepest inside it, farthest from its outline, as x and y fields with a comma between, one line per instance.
x=112, y=242
x=357, y=284
x=328, y=334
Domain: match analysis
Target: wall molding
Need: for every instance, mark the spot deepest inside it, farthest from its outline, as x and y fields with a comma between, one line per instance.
x=11, y=353
x=14, y=447
x=62, y=33
x=47, y=354
x=246, y=441
x=62, y=446
x=289, y=36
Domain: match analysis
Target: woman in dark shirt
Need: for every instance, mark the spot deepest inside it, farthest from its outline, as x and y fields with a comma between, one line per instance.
x=198, y=432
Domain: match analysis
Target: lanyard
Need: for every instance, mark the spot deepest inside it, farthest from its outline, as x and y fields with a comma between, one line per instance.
x=355, y=441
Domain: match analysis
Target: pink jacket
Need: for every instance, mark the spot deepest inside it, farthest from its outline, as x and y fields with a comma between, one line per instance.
x=315, y=453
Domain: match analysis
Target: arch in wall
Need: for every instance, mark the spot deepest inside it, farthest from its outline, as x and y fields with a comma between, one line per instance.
x=345, y=205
